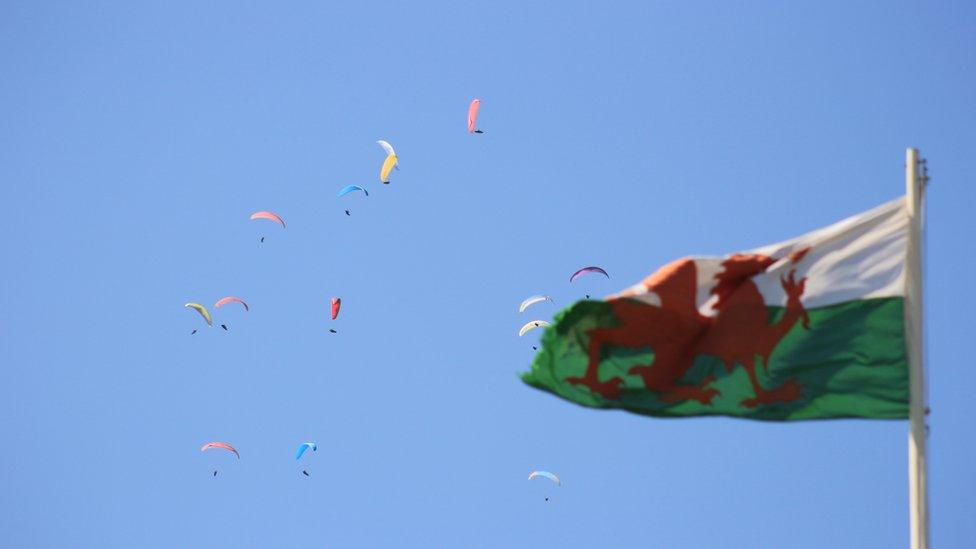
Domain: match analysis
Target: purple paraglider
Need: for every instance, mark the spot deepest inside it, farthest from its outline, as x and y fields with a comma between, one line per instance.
x=585, y=270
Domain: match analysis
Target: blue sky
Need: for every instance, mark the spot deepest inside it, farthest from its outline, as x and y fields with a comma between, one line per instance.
x=137, y=139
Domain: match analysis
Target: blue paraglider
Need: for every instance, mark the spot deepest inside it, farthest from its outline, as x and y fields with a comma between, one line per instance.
x=350, y=188
x=305, y=446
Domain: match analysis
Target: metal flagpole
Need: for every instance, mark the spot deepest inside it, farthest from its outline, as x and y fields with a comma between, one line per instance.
x=917, y=490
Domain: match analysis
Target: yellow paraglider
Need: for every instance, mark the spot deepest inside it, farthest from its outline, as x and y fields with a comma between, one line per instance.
x=202, y=310
x=390, y=162
x=388, y=165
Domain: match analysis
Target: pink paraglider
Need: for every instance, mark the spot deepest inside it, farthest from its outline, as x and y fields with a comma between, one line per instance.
x=268, y=215
x=336, y=303
x=224, y=301
x=473, y=116
x=221, y=445
x=585, y=270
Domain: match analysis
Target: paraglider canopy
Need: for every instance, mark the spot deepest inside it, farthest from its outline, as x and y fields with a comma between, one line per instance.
x=268, y=215
x=350, y=188
x=303, y=447
x=336, y=304
x=532, y=325
x=585, y=270
x=202, y=310
x=546, y=474
x=388, y=165
x=222, y=446
x=229, y=299
x=530, y=301
x=473, y=116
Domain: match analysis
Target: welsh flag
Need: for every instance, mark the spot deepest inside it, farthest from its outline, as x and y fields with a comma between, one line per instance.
x=808, y=328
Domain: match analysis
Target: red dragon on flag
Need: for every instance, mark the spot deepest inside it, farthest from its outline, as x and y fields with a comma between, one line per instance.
x=678, y=332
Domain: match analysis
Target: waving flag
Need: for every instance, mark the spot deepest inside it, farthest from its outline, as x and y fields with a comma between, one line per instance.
x=812, y=327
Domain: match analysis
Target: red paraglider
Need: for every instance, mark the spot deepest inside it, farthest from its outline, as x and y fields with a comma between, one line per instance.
x=336, y=303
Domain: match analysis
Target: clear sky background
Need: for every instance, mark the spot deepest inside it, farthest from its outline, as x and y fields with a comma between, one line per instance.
x=136, y=140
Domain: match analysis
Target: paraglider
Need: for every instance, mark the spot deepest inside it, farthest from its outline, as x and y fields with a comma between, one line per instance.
x=473, y=116
x=347, y=212
x=202, y=310
x=350, y=188
x=224, y=326
x=193, y=332
x=222, y=446
x=305, y=446
x=532, y=325
x=388, y=165
x=301, y=450
x=230, y=299
x=333, y=331
x=336, y=304
x=530, y=301
x=546, y=474
x=268, y=215
x=585, y=270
